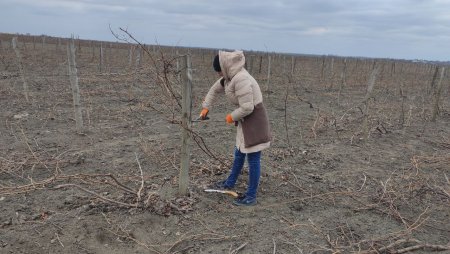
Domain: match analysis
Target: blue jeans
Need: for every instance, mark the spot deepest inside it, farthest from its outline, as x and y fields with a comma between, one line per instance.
x=254, y=164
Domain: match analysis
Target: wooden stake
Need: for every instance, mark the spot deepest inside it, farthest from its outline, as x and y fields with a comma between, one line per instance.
x=186, y=125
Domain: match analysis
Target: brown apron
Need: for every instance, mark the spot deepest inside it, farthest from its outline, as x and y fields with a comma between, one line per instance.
x=255, y=127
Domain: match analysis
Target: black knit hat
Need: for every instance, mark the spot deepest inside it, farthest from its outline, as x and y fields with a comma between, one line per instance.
x=216, y=64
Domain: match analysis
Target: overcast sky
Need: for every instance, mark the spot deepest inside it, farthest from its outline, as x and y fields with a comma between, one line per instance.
x=405, y=29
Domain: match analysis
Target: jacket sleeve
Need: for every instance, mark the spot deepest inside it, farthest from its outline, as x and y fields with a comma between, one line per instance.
x=211, y=96
x=244, y=93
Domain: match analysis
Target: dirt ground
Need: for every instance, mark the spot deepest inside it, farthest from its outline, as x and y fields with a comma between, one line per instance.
x=354, y=166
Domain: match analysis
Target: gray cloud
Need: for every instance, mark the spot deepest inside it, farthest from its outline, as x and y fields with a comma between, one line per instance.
x=385, y=28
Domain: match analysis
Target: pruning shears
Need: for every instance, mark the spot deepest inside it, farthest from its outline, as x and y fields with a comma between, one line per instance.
x=200, y=118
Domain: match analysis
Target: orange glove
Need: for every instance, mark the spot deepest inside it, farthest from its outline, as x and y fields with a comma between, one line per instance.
x=229, y=119
x=204, y=113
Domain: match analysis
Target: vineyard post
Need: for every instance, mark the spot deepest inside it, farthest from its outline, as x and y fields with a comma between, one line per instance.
x=260, y=63
x=178, y=64
x=322, y=73
x=437, y=95
x=74, y=85
x=402, y=108
x=370, y=86
x=138, y=57
x=109, y=58
x=292, y=66
x=130, y=55
x=268, y=76
x=433, y=81
x=342, y=82
x=22, y=71
x=332, y=71
x=79, y=43
x=137, y=65
x=43, y=41
x=24, y=43
x=101, y=58
x=250, y=64
x=186, y=125
x=93, y=50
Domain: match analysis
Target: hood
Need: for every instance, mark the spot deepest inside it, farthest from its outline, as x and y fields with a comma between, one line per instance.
x=231, y=63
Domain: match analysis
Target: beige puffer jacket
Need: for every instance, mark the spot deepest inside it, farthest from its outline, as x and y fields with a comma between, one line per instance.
x=241, y=89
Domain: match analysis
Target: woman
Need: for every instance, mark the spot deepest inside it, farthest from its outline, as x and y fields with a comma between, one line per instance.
x=250, y=117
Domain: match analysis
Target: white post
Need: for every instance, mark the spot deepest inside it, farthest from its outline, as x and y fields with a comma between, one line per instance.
x=186, y=125
x=22, y=71
x=74, y=84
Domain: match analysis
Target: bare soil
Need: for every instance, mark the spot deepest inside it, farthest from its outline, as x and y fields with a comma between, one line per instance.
x=352, y=168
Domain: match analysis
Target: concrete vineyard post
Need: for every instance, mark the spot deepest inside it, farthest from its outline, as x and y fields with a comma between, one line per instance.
x=372, y=79
x=74, y=85
x=137, y=65
x=268, y=75
x=343, y=80
x=433, y=81
x=260, y=64
x=138, y=57
x=322, y=73
x=93, y=50
x=130, y=56
x=79, y=43
x=186, y=125
x=21, y=69
x=178, y=65
x=370, y=86
x=101, y=58
x=437, y=95
x=250, y=64
x=109, y=58
x=292, y=66
x=332, y=71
